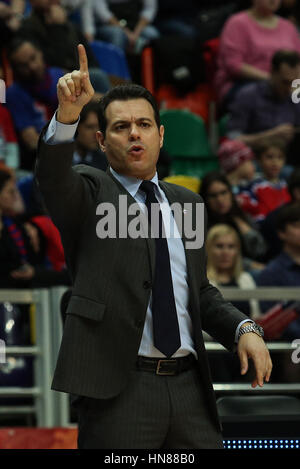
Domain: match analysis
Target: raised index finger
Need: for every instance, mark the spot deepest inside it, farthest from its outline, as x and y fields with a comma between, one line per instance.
x=83, y=60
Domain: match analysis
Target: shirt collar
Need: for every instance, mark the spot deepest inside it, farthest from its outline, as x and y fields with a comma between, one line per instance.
x=132, y=184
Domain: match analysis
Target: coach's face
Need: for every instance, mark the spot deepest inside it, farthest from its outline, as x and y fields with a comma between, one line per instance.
x=132, y=140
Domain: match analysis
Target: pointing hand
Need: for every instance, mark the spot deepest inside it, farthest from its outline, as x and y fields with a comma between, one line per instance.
x=74, y=90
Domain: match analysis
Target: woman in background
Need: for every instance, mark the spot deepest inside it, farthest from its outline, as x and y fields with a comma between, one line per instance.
x=248, y=41
x=222, y=207
x=225, y=266
x=224, y=269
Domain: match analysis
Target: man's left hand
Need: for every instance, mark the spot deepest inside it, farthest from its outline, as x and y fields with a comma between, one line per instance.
x=252, y=346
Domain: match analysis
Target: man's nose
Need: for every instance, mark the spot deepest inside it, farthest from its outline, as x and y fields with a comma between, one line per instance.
x=134, y=132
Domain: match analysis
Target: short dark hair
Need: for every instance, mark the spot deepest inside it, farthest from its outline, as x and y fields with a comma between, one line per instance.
x=289, y=57
x=92, y=106
x=267, y=143
x=206, y=183
x=125, y=93
x=287, y=214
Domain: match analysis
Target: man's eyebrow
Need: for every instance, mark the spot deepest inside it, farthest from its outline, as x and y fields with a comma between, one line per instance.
x=126, y=121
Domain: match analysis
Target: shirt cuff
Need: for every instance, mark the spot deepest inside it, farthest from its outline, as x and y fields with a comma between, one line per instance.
x=238, y=329
x=60, y=133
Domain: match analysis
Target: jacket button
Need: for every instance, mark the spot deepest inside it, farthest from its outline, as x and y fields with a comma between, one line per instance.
x=147, y=284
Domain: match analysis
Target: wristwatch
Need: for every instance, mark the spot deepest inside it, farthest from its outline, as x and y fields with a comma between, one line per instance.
x=251, y=328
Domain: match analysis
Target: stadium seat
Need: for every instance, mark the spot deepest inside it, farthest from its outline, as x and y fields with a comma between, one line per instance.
x=187, y=142
x=211, y=51
x=111, y=59
x=190, y=182
x=147, y=68
x=185, y=134
x=167, y=95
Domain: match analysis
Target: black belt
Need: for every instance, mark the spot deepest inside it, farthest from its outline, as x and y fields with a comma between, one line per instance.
x=167, y=367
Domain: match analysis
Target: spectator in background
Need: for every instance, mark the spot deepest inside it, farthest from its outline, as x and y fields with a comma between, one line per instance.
x=268, y=225
x=23, y=261
x=175, y=17
x=124, y=23
x=236, y=160
x=10, y=17
x=71, y=6
x=266, y=109
x=225, y=269
x=87, y=150
x=57, y=37
x=268, y=192
x=9, y=149
x=284, y=270
x=11, y=14
x=225, y=265
x=222, y=208
x=247, y=44
x=32, y=96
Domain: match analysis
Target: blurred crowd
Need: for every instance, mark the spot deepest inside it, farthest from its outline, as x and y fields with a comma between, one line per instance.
x=253, y=199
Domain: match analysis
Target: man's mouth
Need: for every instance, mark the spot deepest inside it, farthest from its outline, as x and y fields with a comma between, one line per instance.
x=136, y=150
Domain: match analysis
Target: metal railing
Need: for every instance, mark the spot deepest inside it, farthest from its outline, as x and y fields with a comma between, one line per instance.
x=259, y=293
x=52, y=408
x=42, y=353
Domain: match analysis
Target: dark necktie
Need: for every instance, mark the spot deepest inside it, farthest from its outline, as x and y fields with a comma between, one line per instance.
x=165, y=322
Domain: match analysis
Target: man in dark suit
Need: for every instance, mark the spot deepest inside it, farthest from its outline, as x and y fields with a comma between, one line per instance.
x=132, y=348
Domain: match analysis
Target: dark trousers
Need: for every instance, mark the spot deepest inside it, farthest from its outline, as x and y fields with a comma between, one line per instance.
x=152, y=412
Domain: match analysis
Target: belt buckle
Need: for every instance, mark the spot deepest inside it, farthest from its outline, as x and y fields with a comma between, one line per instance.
x=164, y=373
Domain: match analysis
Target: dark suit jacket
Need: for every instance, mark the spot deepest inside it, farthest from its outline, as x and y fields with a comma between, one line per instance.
x=112, y=282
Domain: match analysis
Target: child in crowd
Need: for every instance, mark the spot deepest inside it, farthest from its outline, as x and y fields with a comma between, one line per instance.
x=236, y=161
x=269, y=191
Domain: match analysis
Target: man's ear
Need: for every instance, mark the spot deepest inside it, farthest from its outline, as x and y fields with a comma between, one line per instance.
x=161, y=134
x=101, y=140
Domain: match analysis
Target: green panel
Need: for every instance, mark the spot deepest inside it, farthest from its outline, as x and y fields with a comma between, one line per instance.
x=185, y=134
x=222, y=125
x=197, y=167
